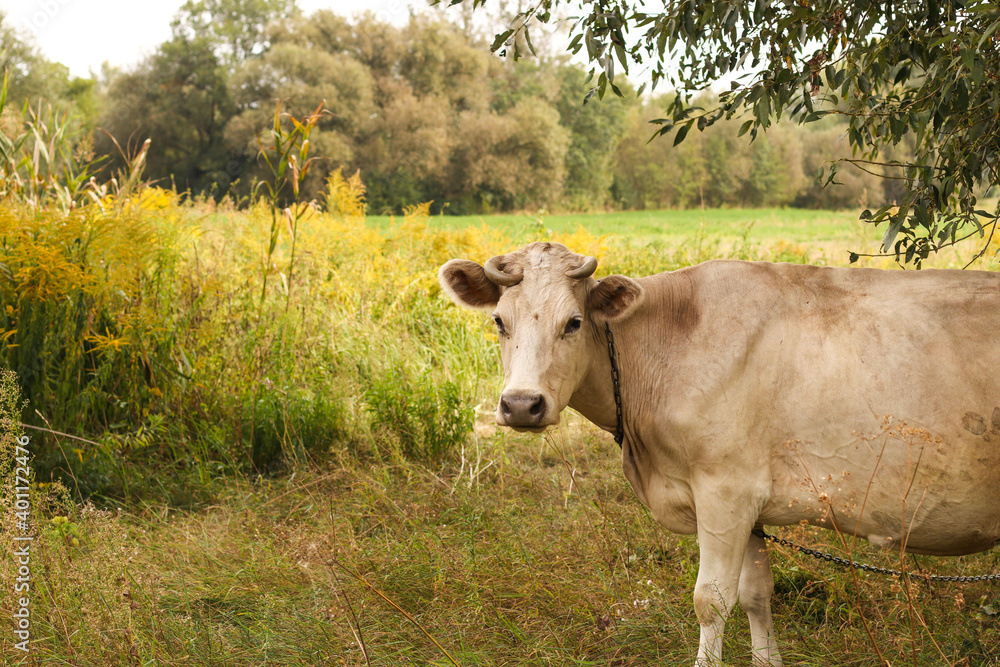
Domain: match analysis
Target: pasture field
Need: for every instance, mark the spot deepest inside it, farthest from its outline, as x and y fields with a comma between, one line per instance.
x=826, y=237
x=292, y=462
x=641, y=227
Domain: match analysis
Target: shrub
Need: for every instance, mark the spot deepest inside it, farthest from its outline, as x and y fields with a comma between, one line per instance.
x=86, y=316
x=291, y=424
x=421, y=420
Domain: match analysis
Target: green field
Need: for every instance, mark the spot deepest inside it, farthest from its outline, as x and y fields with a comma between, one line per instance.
x=766, y=224
x=304, y=472
x=821, y=237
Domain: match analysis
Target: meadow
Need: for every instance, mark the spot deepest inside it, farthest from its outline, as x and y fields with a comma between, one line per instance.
x=643, y=227
x=284, y=455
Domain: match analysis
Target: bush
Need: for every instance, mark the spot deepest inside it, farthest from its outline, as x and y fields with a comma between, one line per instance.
x=86, y=317
x=154, y=330
x=290, y=425
x=420, y=420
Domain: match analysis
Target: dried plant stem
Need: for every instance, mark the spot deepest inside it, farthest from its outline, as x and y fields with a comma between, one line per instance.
x=356, y=625
x=395, y=606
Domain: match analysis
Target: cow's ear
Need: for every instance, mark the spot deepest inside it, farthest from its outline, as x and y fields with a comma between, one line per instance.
x=614, y=298
x=465, y=282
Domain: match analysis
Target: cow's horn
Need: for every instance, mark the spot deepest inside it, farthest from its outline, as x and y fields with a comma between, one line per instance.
x=584, y=270
x=498, y=275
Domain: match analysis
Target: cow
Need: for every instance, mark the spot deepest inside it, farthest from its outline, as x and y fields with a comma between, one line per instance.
x=861, y=400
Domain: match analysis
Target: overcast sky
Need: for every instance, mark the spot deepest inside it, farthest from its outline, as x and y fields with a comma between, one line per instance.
x=82, y=34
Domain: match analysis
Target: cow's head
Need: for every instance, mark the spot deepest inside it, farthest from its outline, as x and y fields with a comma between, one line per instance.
x=549, y=313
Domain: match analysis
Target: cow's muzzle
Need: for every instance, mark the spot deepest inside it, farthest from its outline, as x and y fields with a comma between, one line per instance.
x=523, y=410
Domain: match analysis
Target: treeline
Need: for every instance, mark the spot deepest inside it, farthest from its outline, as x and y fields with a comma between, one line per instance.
x=425, y=113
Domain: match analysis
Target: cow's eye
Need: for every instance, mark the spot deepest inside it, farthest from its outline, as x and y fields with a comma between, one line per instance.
x=499, y=322
x=573, y=325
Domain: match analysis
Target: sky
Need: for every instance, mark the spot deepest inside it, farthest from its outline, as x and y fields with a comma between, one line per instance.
x=82, y=34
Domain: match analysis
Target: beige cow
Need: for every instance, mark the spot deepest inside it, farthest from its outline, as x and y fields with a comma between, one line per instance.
x=861, y=400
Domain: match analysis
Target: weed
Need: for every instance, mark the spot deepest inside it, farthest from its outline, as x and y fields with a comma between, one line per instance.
x=45, y=159
x=287, y=158
x=419, y=419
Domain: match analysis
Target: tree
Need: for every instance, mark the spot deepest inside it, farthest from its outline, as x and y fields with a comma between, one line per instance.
x=238, y=29
x=507, y=161
x=855, y=188
x=32, y=78
x=652, y=175
x=302, y=78
x=182, y=99
x=179, y=99
x=595, y=131
x=926, y=70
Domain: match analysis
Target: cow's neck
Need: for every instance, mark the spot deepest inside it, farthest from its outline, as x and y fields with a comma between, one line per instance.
x=595, y=397
x=667, y=316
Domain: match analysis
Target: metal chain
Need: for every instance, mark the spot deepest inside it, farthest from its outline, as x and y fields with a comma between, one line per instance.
x=616, y=381
x=870, y=568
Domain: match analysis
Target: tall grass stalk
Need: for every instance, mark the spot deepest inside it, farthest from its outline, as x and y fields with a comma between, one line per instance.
x=287, y=158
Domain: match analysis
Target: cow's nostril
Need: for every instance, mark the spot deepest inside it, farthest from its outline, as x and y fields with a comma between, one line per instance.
x=538, y=407
x=504, y=407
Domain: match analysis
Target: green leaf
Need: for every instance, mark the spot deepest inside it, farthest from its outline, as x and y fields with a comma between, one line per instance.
x=892, y=232
x=969, y=59
x=681, y=133
x=763, y=109
x=831, y=76
x=500, y=39
x=987, y=33
x=620, y=52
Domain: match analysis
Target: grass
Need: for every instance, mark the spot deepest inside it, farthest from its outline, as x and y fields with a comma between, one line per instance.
x=378, y=540
x=525, y=550
x=645, y=226
x=828, y=236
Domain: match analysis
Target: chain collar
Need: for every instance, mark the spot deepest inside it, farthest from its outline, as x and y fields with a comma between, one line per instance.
x=616, y=381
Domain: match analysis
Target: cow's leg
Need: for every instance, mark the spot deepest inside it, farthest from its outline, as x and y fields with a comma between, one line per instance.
x=756, y=586
x=724, y=524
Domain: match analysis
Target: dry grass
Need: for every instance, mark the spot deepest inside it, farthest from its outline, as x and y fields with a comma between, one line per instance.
x=542, y=558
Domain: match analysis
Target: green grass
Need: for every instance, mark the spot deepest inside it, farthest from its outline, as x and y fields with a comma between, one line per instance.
x=524, y=550
x=829, y=236
x=766, y=224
